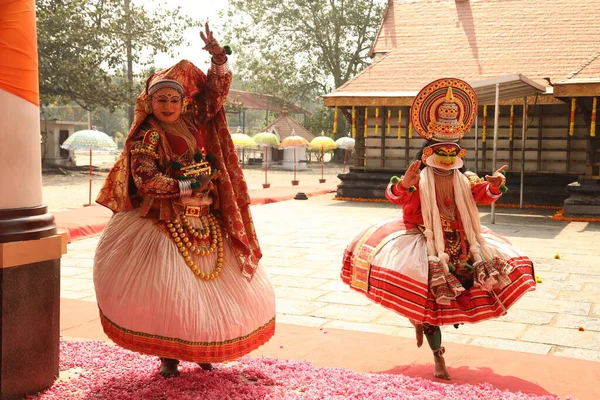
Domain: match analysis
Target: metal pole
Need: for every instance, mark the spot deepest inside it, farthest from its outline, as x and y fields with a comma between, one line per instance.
x=89, y=115
x=496, y=115
x=129, y=53
x=322, y=161
x=523, y=150
x=477, y=142
x=90, y=199
x=266, y=164
x=244, y=122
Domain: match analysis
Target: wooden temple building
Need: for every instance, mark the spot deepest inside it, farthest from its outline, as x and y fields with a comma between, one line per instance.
x=283, y=127
x=238, y=101
x=546, y=54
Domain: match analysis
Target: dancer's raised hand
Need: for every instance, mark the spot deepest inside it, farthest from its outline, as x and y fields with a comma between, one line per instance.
x=411, y=176
x=210, y=43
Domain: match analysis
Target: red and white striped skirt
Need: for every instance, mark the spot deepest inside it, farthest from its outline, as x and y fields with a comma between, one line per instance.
x=388, y=263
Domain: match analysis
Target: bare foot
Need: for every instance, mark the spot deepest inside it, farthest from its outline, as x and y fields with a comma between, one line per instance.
x=168, y=368
x=419, y=334
x=440, y=370
x=206, y=366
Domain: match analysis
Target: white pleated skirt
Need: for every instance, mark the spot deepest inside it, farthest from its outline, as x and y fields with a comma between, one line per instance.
x=151, y=302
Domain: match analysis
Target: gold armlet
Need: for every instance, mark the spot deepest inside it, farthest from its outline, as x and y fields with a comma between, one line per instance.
x=149, y=144
x=145, y=151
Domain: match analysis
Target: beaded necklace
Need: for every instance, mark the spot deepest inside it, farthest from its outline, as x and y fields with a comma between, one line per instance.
x=210, y=227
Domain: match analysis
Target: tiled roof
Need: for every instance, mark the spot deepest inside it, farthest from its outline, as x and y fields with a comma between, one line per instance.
x=259, y=101
x=285, y=125
x=424, y=40
x=590, y=69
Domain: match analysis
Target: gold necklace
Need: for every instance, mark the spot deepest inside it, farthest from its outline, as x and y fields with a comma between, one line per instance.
x=185, y=245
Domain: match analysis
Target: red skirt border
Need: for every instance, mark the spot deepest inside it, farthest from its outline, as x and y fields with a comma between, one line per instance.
x=200, y=352
x=413, y=299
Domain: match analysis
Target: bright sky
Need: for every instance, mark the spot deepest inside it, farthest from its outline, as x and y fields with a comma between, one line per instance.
x=200, y=10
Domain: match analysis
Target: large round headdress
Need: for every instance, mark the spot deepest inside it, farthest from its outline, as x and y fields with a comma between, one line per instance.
x=444, y=110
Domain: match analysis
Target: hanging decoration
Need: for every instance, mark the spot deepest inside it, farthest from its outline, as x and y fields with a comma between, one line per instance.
x=376, y=121
x=399, y=124
x=410, y=127
x=389, y=123
x=572, y=119
x=353, y=122
x=335, y=119
x=484, y=127
x=366, y=121
x=511, y=123
x=593, y=119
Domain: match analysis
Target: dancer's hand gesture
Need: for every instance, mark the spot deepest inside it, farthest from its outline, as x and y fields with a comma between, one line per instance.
x=411, y=176
x=210, y=43
x=498, y=178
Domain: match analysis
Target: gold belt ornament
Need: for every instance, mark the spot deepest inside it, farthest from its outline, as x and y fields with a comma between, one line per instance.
x=197, y=211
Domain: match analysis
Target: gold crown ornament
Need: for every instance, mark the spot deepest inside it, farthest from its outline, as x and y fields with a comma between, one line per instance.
x=444, y=110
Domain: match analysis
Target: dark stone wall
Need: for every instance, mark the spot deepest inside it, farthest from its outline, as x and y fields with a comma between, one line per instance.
x=584, y=199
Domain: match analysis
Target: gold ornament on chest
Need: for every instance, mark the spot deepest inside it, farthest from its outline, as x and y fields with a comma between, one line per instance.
x=201, y=241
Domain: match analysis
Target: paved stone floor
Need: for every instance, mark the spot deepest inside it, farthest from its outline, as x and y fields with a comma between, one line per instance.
x=303, y=243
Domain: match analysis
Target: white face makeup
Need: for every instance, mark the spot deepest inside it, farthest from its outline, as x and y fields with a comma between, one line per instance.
x=166, y=105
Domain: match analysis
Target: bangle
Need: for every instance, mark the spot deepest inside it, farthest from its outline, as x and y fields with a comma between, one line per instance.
x=185, y=188
x=215, y=62
x=219, y=69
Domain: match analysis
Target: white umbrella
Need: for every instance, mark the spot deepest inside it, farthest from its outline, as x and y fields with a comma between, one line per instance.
x=294, y=141
x=89, y=139
x=346, y=143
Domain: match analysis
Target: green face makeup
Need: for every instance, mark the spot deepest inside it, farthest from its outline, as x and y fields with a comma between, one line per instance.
x=446, y=156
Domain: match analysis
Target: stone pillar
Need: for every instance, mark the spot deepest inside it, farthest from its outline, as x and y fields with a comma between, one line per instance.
x=30, y=248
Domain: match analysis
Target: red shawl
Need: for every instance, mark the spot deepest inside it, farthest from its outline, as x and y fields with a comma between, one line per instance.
x=208, y=115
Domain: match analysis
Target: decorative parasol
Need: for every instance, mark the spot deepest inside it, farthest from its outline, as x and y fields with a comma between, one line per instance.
x=266, y=139
x=294, y=141
x=243, y=141
x=89, y=139
x=346, y=143
x=323, y=143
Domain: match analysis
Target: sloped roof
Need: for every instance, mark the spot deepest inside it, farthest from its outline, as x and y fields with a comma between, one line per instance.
x=285, y=125
x=258, y=101
x=424, y=40
x=590, y=69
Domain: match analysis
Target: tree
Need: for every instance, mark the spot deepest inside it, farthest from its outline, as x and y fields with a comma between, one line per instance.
x=299, y=49
x=82, y=48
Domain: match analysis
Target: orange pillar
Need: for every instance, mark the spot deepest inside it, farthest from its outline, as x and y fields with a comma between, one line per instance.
x=30, y=249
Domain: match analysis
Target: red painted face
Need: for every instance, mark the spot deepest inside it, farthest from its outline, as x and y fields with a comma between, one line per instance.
x=166, y=105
